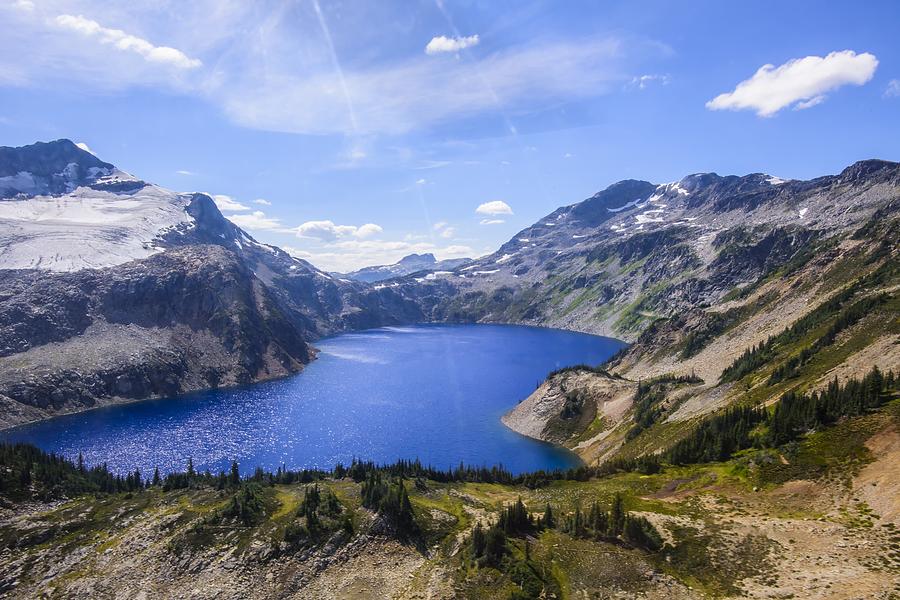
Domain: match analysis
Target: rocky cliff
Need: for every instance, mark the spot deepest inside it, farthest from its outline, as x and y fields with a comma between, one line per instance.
x=114, y=289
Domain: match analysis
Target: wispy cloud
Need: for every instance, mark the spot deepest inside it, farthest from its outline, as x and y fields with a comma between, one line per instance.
x=184, y=172
x=262, y=202
x=801, y=82
x=495, y=207
x=228, y=204
x=418, y=93
x=642, y=82
x=127, y=42
x=443, y=229
x=442, y=44
x=84, y=147
x=491, y=222
x=258, y=221
x=893, y=89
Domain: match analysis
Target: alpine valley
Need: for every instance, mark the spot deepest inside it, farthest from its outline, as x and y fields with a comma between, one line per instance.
x=751, y=427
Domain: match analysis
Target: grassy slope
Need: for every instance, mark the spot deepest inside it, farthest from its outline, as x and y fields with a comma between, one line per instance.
x=725, y=525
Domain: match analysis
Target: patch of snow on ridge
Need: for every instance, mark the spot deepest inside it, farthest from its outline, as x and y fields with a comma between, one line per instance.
x=624, y=206
x=803, y=212
x=772, y=180
x=486, y=272
x=505, y=258
x=88, y=229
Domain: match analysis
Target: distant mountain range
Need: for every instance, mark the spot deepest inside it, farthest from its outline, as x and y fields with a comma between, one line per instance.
x=112, y=288
x=408, y=265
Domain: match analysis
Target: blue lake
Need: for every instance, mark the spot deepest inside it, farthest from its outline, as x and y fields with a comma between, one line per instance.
x=433, y=392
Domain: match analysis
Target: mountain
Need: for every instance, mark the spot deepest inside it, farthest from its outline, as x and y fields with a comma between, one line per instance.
x=412, y=263
x=734, y=290
x=695, y=273
x=116, y=289
x=744, y=445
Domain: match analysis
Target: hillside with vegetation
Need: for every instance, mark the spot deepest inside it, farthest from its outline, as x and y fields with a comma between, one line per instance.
x=794, y=500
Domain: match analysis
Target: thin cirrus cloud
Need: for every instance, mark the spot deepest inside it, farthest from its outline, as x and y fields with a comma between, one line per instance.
x=893, y=89
x=262, y=202
x=442, y=44
x=800, y=82
x=380, y=99
x=127, y=42
x=324, y=92
x=493, y=208
x=491, y=222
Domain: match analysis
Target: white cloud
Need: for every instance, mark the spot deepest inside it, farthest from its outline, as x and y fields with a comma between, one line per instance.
x=803, y=82
x=127, y=42
x=184, y=172
x=328, y=231
x=262, y=202
x=642, y=82
x=368, y=230
x=444, y=230
x=349, y=255
x=228, y=204
x=893, y=89
x=84, y=147
x=491, y=222
x=804, y=104
x=442, y=43
x=421, y=181
x=25, y=5
x=258, y=221
x=495, y=207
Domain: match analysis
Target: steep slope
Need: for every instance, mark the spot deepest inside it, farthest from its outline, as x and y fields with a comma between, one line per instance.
x=116, y=289
x=637, y=251
x=768, y=308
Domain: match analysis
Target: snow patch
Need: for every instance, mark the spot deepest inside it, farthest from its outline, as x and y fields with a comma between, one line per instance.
x=624, y=206
x=88, y=229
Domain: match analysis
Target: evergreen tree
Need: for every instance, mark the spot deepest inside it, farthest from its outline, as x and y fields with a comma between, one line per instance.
x=617, y=516
x=235, y=474
x=548, y=520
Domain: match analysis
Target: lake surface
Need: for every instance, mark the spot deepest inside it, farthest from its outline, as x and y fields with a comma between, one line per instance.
x=433, y=392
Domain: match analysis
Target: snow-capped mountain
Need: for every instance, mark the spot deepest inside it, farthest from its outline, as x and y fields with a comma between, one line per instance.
x=114, y=288
x=412, y=263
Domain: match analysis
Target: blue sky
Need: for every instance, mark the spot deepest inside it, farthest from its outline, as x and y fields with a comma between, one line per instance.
x=354, y=133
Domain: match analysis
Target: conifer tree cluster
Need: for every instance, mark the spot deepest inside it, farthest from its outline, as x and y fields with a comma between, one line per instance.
x=391, y=500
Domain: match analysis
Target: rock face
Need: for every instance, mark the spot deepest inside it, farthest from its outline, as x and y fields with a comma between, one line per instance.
x=637, y=251
x=696, y=273
x=112, y=289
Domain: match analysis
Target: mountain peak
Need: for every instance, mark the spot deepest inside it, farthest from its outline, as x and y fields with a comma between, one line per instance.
x=47, y=158
x=426, y=258
x=868, y=168
x=55, y=167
